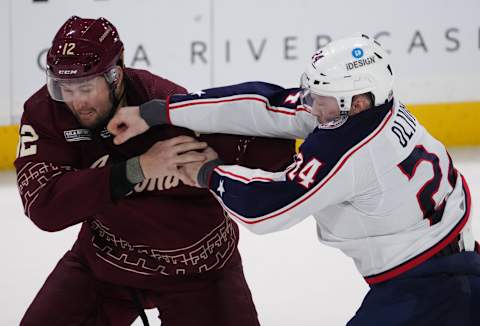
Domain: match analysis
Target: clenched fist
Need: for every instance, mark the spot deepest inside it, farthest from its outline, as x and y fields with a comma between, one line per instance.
x=190, y=170
x=127, y=123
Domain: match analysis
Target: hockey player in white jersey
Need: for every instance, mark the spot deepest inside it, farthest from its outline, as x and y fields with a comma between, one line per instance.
x=379, y=186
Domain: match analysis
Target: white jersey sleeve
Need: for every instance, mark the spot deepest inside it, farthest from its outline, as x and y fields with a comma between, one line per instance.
x=251, y=109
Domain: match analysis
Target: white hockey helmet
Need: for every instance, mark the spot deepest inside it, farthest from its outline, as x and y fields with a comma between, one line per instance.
x=349, y=67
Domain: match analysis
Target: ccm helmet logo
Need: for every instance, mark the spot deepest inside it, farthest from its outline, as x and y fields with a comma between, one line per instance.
x=67, y=72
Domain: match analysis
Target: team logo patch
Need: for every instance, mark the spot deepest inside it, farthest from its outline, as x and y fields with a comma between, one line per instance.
x=357, y=53
x=77, y=135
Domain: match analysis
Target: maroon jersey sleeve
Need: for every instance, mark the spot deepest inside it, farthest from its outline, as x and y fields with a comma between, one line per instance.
x=166, y=87
x=54, y=191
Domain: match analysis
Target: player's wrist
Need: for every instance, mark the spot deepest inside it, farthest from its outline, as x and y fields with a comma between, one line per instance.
x=133, y=170
x=203, y=176
x=124, y=176
x=154, y=112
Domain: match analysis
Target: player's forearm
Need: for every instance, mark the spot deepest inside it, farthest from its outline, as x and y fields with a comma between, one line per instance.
x=124, y=176
x=154, y=112
x=251, y=109
x=205, y=172
x=58, y=197
x=257, y=199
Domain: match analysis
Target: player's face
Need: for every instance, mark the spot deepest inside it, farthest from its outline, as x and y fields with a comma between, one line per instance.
x=88, y=100
x=325, y=108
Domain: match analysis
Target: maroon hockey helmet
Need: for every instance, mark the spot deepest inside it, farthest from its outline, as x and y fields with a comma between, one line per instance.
x=82, y=48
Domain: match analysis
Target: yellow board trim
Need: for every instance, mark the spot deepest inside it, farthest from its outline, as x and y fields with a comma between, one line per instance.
x=454, y=124
x=8, y=146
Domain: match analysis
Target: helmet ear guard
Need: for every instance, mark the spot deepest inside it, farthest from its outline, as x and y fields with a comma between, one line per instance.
x=111, y=76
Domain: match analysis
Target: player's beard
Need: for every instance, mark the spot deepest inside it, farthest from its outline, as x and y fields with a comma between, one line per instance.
x=92, y=118
x=102, y=116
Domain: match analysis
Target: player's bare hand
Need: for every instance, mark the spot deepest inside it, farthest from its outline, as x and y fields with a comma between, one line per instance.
x=165, y=157
x=126, y=123
x=189, y=171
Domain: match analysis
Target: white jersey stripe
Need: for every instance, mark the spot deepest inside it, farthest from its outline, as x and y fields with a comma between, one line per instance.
x=241, y=178
x=235, y=98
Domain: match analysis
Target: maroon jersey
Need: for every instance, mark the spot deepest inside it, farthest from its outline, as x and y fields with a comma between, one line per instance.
x=162, y=231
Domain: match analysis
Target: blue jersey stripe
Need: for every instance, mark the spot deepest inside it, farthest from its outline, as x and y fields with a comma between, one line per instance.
x=274, y=94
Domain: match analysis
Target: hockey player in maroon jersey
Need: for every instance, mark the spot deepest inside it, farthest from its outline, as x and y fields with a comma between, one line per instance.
x=379, y=186
x=144, y=242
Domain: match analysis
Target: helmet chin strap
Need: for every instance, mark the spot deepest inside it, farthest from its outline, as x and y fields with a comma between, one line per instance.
x=115, y=100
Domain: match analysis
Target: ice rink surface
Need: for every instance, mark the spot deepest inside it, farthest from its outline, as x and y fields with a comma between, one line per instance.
x=294, y=279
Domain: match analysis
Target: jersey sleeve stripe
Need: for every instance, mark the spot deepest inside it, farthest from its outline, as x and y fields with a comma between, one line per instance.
x=241, y=178
x=420, y=258
x=302, y=108
x=190, y=104
x=314, y=190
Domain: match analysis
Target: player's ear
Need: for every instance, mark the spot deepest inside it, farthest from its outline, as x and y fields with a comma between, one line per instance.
x=360, y=103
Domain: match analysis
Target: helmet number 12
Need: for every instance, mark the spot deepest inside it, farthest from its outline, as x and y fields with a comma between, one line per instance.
x=68, y=49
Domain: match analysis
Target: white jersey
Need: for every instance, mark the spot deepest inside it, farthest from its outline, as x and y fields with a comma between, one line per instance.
x=380, y=187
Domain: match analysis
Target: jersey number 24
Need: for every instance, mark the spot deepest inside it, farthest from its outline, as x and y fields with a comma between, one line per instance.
x=425, y=195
